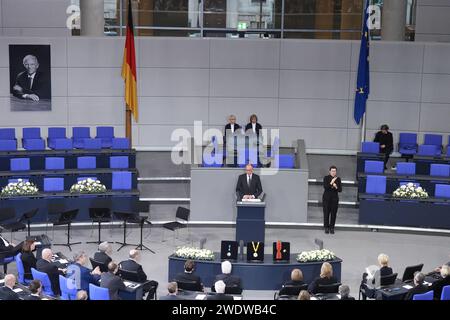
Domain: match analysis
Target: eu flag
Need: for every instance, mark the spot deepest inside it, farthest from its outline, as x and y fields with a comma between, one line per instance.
x=362, y=84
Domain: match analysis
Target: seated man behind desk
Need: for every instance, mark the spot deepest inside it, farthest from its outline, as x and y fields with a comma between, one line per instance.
x=439, y=284
x=46, y=265
x=35, y=289
x=248, y=185
x=226, y=277
x=132, y=265
x=112, y=282
x=103, y=255
x=7, y=291
x=220, y=292
x=82, y=275
x=344, y=291
x=419, y=287
x=172, y=288
x=188, y=275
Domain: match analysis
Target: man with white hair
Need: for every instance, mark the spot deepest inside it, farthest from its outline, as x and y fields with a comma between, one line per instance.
x=220, y=292
x=103, y=255
x=227, y=278
x=7, y=292
x=441, y=283
x=46, y=265
x=81, y=274
x=32, y=84
x=419, y=287
x=344, y=291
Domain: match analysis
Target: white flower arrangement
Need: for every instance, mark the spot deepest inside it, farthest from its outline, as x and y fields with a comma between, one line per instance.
x=19, y=188
x=315, y=255
x=88, y=186
x=194, y=253
x=410, y=191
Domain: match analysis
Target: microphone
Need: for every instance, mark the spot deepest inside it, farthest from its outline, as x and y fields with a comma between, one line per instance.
x=202, y=242
x=319, y=242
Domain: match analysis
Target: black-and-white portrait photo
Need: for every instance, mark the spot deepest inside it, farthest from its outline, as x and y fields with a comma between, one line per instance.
x=29, y=76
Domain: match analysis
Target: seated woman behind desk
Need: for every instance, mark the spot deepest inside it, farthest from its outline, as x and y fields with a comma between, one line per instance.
x=28, y=258
x=373, y=275
x=325, y=278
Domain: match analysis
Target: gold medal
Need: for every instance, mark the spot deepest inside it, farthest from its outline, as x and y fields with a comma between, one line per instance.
x=255, y=249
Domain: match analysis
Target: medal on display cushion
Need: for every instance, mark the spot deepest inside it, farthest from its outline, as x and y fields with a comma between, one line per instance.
x=229, y=250
x=281, y=251
x=255, y=251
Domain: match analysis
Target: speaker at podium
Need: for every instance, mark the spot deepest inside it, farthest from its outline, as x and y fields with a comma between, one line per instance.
x=250, y=219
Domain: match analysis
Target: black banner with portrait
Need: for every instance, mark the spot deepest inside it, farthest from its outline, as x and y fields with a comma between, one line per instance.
x=29, y=77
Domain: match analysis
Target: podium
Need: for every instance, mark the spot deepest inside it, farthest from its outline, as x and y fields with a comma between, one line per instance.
x=250, y=221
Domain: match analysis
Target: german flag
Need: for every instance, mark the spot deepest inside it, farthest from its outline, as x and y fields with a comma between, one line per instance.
x=129, y=68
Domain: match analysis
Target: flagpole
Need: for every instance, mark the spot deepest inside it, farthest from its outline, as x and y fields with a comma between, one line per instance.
x=363, y=120
x=128, y=124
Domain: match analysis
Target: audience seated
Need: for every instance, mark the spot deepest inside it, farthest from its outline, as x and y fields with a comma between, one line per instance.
x=35, y=289
x=419, y=287
x=82, y=295
x=6, y=292
x=226, y=277
x=172, y=288
x=344, y=291
x=46, y=265
x=296, y=279
x=112, y=282
x=439, y=284
x=220, y=292
x=304, y=295
x=28, y=258
x=103, y=255
x=188, y=276
x=82, y=275
x=325, y=278
x=132, y=265
x=368, y=282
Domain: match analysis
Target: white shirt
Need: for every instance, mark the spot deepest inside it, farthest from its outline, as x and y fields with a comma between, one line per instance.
x=232, y=127
x=254, y=127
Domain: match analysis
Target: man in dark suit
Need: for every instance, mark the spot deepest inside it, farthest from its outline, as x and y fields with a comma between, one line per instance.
x=172, y=288
x=220, y=292
x=7, y=292
x=386, y=141
x=226, y=277
x=46, y=265
x=82, y=275
x=112, y=282
x=35, y=289
x=188, y=275
x=441, y=283
x=32, y=84
x=103, y=254
x=132, y=265
x=232, y=126
x=249, y=184
x=419, y=287
x=344, y=291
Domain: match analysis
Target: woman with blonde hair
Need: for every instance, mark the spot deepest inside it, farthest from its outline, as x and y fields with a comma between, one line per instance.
x=304, y=295
x=326, y=278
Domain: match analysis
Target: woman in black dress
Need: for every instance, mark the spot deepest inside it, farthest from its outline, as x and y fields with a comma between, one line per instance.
x=330, y=199
x=28, y=258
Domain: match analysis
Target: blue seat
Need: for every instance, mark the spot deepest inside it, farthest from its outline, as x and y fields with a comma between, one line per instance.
x=8, y=145
x=8, y=141
x=55, y=133
x=428, y=150
x=406, y=168
x=86, y=162
x=376, y=185
x=105, y=134
x=433, y=139
x=7, y=134
x=53, y=184
x=32, y=140
x=68, y=288
x=46, y=284
x=448, y=150
x=119, y=162
x=62, y=144
x=78, y=136
x=286, y=161
x=4, y=262
x=370, y=147
x=120, y=143
x=372, y=166
x=21, y=270
x=439, y=170
x=92, y=144
x=407, y=144
x=424, y=296
x=20, y=164
x=54, y=163
x=442, y=191
x=98, y=293
x=121, y=180
x=445, y=295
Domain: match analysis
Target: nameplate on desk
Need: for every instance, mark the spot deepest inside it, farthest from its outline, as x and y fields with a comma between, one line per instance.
x=200, y=297
x=237, y=298
x=17, y=290
x=131, y=285
x=251, y=200
x=407, y=286
x=427, y=283
x=37, y=243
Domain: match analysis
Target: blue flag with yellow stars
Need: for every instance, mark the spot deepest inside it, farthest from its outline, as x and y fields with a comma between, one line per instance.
x=362, y=84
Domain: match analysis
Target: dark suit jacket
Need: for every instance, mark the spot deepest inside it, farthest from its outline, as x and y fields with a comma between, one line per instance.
x=438, y=285
x=314, y=286
x=385, y=139
x=86, y=277
x=188, y=277
x=421, y=288
x=7, y=294
x=228, y=127
x=229, y=280
x=30, y=297
x=170, y=297
x=347, y=298
x=219, y=296
x=28, y=261
x=242, y=187
x=102, y=258
x=51, y=269
x=131, y=265
x=293, y=283
x=113, y=283
x=257, y=128
x=10, y=250
x=41, y=85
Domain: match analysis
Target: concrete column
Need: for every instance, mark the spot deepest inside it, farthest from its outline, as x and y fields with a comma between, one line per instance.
x=232, y=13
x=92, y=18
x=393, y=20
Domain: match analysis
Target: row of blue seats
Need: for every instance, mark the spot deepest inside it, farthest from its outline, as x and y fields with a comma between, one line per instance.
x=377, y=185
x=57, y=139
x=407, y=168
x=58, y=163
x=121, y=180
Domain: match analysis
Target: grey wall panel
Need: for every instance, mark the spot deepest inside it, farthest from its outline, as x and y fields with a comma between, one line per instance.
x=166, y=82
x=435, y=54
x=4, y=82
x=435, y=88
x=174, y=52
x=315, y=138
x=239, y=53
x=315, y=55
x=95, y=52
x=250, y=83
x=160, y=136
x=355, y=55
x=266, y=110
x=313, y=113
x=395, y=86
x=314, y=84
x=109, y=111
x=59, y=82
x=433, y=20
x=386, y=56
x=443, y=3
x=353, y=139
x=173, y=110
x=351, y=123
x=398, y=115
x=432, y=37
x=435, y=117
x=95, y=82
x=37, y=32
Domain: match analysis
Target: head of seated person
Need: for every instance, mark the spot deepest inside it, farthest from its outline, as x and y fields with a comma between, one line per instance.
x=383, y=261
x=135, y=255
x=220, y=286
x=326, y=271
x=445, y=271
x=47, y=254
x=82, y=295
x=419, y=278
x=189, y=266
x=304, y=295
x=296, y=277
x=35, y=287
x=226, y=267
x=344, y=291
x=80, y=258
x=105, y=247
x=172, y=288
x=113, y=267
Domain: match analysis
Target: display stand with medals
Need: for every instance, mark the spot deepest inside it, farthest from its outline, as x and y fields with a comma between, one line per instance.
x=281, y=252
x=229, y=250
x=255, y=251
